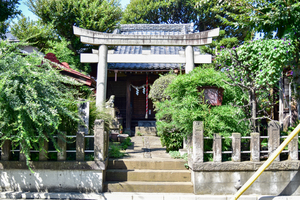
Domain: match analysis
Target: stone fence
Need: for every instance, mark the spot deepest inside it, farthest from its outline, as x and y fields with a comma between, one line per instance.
x=225, y=177
x=254, y=147
x=99, y=146
x=62, y=174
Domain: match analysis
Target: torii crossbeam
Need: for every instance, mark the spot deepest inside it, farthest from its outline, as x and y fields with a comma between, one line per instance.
x=103, y=56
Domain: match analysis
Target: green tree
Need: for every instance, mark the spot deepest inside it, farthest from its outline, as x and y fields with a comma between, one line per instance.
x=279, y=16
x=37, y=33
x=36, y=101
x=101, y=15
x=220, y=42
x=44, y=37
x=64, y=54
x=256, y=68
x=203, y=15
x=158, y=11
x=8, y=10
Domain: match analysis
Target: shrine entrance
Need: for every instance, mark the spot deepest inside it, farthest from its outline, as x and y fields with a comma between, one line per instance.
x=141, y=52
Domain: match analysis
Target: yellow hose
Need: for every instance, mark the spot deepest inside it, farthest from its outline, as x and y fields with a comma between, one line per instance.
x=266, y=164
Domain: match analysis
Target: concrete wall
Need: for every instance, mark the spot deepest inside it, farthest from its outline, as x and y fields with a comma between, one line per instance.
x=86, y=176
x=282, y=178
x=51, y=180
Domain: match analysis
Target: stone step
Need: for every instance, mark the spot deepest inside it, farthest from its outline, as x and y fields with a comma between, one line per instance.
x=171, y=164
x=153, y=187
x=148, y=175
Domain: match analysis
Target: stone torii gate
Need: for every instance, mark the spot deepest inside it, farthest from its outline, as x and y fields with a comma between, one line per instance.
x=104, y=56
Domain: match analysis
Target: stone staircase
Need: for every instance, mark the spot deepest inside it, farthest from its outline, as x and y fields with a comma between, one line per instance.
x=148, y=175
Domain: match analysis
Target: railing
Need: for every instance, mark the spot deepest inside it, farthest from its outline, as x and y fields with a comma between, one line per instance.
x=255, y=151
x=99, y=148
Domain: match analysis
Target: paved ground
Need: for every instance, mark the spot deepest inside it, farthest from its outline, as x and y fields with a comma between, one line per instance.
x=134, y=196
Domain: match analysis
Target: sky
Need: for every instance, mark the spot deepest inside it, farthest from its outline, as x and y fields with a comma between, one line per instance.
x=29, y=14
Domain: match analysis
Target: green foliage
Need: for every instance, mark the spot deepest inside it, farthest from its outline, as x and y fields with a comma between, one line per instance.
x=37, y=33
x=155, y=12
x=89, y=157
x=89, y=14
x=265, y=16
x=177, y=155
x=64, y=54
x=291, y=129
x=220, y=42
x=159, y=86
x=263, y=59
x=115, y=149
x=279, y=18
x=95, y=113
x=204, y=15
x=35, y=102
x=209, y=14
x=126, y=143
x=8, y=10
x=175, y=116
x=256, y=68
x=44, y=37
x=3, y=29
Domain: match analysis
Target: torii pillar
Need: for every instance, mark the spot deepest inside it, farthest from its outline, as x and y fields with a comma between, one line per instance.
x=101, y=76
x=189, y=54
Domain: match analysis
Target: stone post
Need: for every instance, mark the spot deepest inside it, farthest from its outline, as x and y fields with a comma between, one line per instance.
x=80, y=146
x=43, y=154
x=293, y=148
x=101, y=76
x=236, y=147
x=217, y=147
x=5, y=153
x=255, y=147
x=22, y=156
x=198, y=145
x=188, y=144
x=84, y=112
x=189, y=55
x=99, y=140
x=62, y=155
x=274, y=137
x=106, y=144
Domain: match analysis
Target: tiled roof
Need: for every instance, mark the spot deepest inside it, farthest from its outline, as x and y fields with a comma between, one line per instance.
x=11, y=38
x=151, y=29
x=65, y=68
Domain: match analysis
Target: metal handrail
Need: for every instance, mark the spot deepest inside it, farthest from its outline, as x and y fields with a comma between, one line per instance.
x=266, y=164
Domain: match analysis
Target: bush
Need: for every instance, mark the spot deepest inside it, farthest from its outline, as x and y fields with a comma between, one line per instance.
x=175, y=115
x=157, y=89
x=36, y=101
